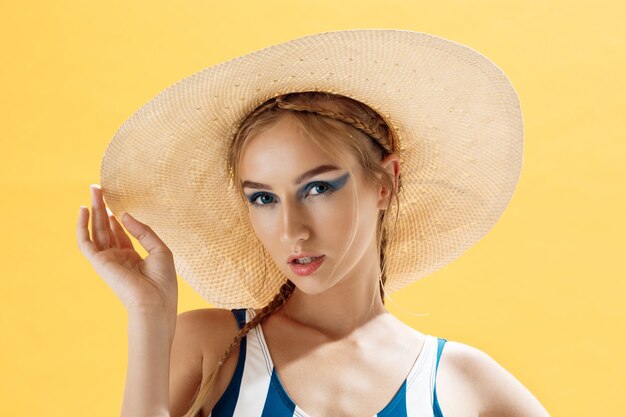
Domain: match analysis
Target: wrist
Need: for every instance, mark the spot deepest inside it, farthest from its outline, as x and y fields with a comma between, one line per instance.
x=153, y=320
x=152, y=311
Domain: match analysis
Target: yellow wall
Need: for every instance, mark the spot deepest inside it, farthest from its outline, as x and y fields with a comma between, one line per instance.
x=542, y=293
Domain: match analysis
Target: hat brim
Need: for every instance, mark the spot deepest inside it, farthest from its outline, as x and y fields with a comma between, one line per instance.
x=455, y=113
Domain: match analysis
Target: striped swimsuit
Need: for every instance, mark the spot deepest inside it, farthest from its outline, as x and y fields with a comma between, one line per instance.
x=256, y=391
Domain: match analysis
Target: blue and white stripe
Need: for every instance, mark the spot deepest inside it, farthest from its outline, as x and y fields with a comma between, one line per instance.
x=255, y=389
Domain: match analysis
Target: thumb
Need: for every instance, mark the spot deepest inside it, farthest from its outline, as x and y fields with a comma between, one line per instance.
x=144, y=234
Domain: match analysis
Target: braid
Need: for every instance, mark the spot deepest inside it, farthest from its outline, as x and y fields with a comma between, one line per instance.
x=381, y=135
x=353, y=121
x=383, y=247
x=279, y=299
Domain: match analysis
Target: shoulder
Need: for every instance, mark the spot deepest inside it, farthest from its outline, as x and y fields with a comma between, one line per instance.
x=469, y=374
x=207, y=328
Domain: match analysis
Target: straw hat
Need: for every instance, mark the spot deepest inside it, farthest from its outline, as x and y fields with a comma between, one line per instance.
x=455, y=114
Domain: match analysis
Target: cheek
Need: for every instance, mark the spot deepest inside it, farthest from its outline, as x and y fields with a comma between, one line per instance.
x=262, y=224
x=334, y=219
x=350, y=214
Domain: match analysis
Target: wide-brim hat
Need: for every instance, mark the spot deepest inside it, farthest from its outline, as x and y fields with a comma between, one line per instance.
x=454, y=112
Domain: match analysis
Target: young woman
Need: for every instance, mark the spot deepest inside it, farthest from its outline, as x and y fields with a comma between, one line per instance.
x=330, y=209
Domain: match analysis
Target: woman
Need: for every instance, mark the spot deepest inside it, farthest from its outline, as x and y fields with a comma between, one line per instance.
x=318, y=177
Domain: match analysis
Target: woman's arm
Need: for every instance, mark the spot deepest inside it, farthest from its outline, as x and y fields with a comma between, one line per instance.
x=193, y=337
x=149, y=291
x=502, y=393
x=150, y=336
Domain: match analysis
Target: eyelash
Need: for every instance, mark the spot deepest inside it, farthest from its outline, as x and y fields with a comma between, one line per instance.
x=330, y=190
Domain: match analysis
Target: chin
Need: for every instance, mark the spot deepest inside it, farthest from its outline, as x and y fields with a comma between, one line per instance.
x=312, y=284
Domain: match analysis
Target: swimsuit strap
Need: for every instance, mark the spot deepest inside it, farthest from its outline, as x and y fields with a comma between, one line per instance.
x=436, y=408
x=240, y=315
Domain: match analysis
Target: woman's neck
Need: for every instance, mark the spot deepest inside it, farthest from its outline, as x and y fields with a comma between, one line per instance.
x=346, y=306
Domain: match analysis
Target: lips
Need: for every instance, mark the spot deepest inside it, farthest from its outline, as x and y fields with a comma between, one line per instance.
x=307, y=268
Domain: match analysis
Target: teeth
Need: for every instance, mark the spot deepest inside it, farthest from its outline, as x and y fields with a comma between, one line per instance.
x=304, y=260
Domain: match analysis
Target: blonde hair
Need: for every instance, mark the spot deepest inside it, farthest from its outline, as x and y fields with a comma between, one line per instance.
x=333, y=122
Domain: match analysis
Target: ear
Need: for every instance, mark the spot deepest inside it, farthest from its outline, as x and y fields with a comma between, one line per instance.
x=391, y=164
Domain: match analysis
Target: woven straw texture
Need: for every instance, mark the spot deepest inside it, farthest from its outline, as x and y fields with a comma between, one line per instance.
x=455, y=113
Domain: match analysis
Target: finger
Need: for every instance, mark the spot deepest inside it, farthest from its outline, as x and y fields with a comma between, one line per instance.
x=112, y=236
x=86, y=246
x=99, y=221
x=123, y=240
x=145, y=235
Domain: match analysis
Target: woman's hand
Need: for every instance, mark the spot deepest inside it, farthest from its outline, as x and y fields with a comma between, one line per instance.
x=143, y=285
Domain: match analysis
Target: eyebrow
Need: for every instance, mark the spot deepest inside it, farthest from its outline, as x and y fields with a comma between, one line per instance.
x=310, y=173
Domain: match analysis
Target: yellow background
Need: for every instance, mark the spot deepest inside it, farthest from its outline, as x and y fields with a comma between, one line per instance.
x=542, y=293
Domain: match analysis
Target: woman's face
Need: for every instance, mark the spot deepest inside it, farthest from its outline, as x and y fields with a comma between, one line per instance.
x=304, y=201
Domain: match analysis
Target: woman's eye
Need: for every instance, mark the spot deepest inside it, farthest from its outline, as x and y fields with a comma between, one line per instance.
x=264, y=199
x=320, y=188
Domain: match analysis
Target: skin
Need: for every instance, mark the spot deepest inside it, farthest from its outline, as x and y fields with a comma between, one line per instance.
x=334, y=320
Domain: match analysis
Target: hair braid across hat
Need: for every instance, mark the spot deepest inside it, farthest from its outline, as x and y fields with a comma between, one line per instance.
x=382, y=140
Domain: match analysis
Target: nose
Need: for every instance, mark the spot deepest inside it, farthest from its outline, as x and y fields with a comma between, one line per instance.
x=293, y=222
